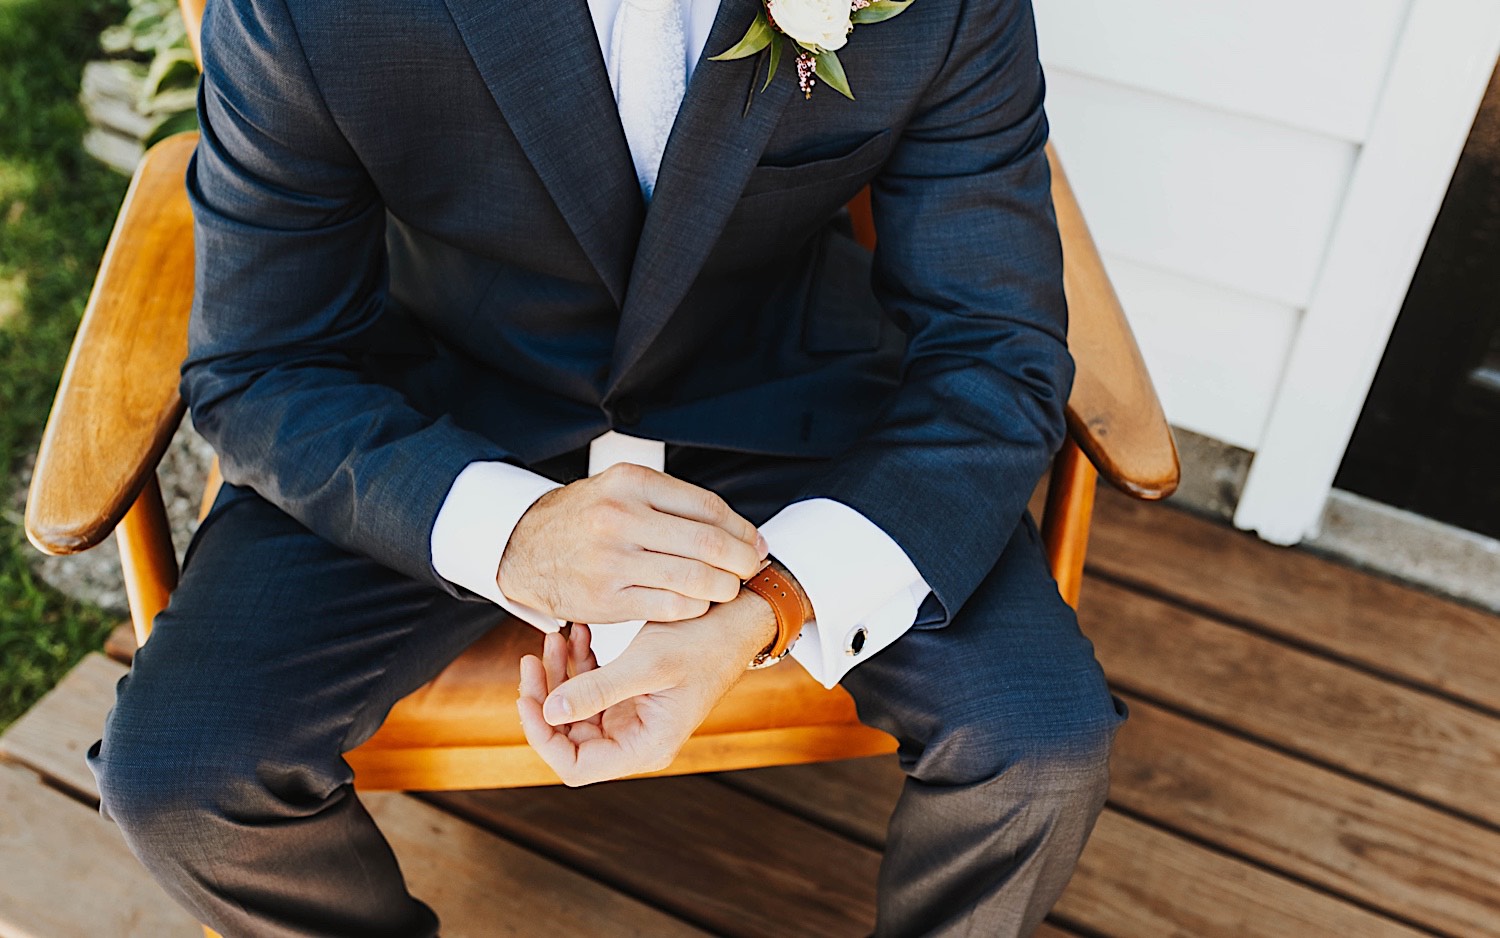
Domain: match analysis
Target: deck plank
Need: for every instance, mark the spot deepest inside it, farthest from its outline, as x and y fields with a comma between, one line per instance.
x=64, y=871
x=53, y=736
x=854, y=797
x=1386, y=851
x=1323, y=710
x=703, y=851
x=1134, y=880
x=1390, y=628
x=481, y=885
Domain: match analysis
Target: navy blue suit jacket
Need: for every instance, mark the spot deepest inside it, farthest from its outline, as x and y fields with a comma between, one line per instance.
x=421, y=243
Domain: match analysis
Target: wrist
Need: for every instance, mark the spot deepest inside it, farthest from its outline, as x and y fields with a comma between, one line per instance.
x=789, y=608
x=514, y=575
x=757, y=620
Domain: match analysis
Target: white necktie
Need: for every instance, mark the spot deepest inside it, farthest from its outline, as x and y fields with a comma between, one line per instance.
x=648, y=62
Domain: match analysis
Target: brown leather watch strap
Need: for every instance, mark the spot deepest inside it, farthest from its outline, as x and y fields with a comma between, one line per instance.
x=772, y=586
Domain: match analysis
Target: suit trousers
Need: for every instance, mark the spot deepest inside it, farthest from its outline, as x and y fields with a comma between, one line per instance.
x=221, y=760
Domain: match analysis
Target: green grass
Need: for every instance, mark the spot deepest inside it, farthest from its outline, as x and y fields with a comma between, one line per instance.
x=56, y=208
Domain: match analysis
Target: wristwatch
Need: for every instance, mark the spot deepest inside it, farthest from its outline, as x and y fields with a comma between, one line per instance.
x=775, y=588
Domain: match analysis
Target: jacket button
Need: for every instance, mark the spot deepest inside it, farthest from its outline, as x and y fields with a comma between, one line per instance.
x=627, y=411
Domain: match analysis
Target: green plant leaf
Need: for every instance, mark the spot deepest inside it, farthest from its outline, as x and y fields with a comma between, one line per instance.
x=176, y=124
x=775, y=63
x=757, y=37
x=171, y=68
x=171, y=101
x=117, y=39
x=831, y=70
x=880, y=11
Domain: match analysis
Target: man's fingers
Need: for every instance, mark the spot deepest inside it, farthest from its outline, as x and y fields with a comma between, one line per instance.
x=686, y=500
x=554, y=659
x=580, y=650
x=630, y=675
x=555, y=748
x=542, y=737
x=533, y=680
x=705, y=543
x=692, y=578
x=581, y=660
x=656, y=605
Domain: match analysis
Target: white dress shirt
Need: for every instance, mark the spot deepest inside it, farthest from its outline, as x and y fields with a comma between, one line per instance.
x=864, y=588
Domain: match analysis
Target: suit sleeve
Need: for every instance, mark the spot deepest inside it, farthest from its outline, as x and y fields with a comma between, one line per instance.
x=968, y=262
x=290, y=280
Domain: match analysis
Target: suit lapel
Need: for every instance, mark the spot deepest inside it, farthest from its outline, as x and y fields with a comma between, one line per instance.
x=543, y=67
x=712, y=149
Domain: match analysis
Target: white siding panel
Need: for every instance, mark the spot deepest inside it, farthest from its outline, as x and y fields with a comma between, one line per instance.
x=1314, y=64
x=1439, y=75
x=1213, y=196
x=1215, y=355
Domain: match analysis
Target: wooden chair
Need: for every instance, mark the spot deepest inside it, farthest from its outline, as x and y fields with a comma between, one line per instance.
x=117, y=408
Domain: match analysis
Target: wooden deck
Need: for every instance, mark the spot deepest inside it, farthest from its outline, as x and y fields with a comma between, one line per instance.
x=1312, y=751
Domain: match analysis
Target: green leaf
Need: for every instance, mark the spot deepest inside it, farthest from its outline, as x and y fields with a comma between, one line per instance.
x=775, y=62
x=831, y=70
x=880, y=11
x=176, y=124
x=757, y=37
x=171, y=68
x=170, y=101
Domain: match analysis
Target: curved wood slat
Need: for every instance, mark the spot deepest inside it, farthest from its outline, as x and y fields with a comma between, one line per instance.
x=117, y=405
x=460, y=730
x=1067, y=519
x=147, y=558
x=1113, y=413
x=192, y=17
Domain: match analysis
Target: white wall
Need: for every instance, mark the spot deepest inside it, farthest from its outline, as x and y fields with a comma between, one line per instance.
x=1223, y=153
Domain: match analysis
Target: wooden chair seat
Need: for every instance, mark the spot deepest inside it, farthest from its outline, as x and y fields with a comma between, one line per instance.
x=461, y=731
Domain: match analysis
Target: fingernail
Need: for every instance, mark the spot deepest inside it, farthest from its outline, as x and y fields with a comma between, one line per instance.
x=557, y=708
x=761, y=545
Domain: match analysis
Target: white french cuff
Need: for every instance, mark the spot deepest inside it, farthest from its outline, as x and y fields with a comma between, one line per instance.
x=863, y=586
x=474, y=524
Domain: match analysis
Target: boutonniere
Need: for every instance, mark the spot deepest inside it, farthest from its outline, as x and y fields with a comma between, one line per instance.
x=814, y=31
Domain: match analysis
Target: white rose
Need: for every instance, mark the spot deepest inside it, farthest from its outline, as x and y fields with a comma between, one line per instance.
x=821, y=23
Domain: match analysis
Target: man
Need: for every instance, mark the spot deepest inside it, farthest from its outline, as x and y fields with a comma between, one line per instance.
x=451, y=251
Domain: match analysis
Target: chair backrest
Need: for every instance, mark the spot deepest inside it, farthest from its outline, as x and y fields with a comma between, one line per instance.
x=192, y=17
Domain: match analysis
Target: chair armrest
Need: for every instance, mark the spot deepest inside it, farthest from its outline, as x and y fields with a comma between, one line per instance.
x=1113, y=412
x=192, y=18
x=117, y=404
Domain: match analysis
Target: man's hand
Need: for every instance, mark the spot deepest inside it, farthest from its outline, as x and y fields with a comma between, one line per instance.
x=629, y=543
x=591, y=724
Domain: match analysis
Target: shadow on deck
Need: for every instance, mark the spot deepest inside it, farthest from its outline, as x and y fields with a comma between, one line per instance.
x=1312, y=751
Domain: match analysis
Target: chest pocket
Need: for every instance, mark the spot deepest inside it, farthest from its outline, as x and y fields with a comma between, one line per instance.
x=864, y=159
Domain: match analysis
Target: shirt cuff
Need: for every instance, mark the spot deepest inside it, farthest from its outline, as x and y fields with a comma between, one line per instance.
x=474, y=524
x=864, y=588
